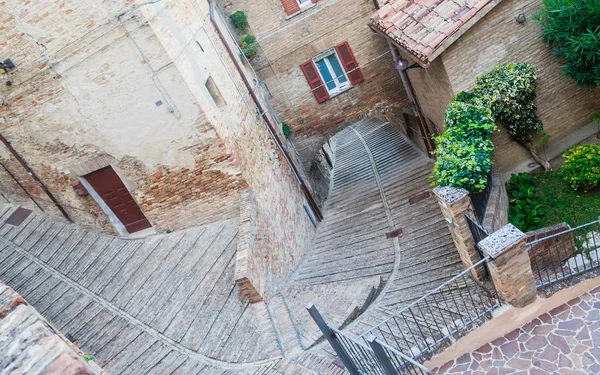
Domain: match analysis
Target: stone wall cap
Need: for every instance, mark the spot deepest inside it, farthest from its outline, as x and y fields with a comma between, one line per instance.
x=450, y=194
x=501, y=240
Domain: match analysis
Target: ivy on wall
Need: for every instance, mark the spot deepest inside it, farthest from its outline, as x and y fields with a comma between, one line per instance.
x=509, y=91
x=464, y=150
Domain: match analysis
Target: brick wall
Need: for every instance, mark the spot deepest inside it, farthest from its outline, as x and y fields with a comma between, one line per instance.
x=82, y=89
x=553, y=252
x=286, y=43
x=433, y=91
x=497, y=39
x=31, y=345
x=282, y=231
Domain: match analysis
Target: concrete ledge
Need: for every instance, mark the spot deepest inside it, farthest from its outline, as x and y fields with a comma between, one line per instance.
x=450, y=194
x=500, y=241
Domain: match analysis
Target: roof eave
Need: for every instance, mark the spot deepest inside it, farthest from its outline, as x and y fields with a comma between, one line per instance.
x=421, y=60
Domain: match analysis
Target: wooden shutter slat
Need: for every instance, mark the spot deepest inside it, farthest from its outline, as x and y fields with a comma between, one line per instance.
x=290, y=6
x=349, y=63
x=314, y=81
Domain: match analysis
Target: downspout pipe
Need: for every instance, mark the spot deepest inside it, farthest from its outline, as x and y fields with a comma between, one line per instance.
x=34, y=176
x=307, y=194
x=413, y=100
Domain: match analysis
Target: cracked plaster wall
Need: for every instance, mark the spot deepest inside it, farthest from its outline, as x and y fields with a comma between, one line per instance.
x=81, y=89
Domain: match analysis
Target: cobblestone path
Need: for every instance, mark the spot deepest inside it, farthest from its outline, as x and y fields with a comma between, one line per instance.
x=564, y=341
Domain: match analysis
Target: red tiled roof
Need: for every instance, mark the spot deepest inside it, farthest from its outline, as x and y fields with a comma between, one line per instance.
x=422, y=27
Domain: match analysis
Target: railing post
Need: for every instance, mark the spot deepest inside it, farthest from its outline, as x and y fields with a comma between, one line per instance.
x=314, y=313
x=381, y=356
x=510, y=267
x=455, y=204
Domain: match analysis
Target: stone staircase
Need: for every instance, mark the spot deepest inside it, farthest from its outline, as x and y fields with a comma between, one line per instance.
x=168, y=304
x=150, y=306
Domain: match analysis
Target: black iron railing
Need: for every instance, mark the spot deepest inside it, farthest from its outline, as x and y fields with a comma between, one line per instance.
x=400, y=344
x=480, y=200
x=429, y=324
x=563, y=255
x=366, y=356
x=479, y=233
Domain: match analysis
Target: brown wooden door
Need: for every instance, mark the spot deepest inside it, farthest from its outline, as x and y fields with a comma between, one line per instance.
x=113, y=192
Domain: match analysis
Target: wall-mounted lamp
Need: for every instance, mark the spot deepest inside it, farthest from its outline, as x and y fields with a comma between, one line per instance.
x=403, y=65
x=6, y=66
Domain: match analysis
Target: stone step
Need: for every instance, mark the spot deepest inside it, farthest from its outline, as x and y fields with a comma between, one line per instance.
x=285, y=328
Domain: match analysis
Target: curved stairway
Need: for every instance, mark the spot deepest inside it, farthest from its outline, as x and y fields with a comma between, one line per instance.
x=160, y=305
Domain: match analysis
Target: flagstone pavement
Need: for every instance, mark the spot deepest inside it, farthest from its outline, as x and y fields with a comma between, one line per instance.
x=564, y=341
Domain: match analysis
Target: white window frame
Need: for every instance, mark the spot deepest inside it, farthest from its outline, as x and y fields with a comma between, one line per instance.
x=303, y=4
x=340, y=86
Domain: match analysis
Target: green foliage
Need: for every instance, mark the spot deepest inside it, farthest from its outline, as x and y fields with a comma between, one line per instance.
x=509, y=91
x=582, y=167
x=287, y=130
x=88, y=357
x=572, y=28
x=562, y=203
x=239, y=20
x=525, y=211
x=464, y=150
x=249, y=45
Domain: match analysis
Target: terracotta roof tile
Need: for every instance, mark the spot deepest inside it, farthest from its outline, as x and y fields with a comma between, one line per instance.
x=422, y=26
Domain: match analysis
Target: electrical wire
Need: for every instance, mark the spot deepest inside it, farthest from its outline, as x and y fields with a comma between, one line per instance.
x=350, y=71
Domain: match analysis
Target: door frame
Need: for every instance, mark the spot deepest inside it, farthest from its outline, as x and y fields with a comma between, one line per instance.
x=114, y=220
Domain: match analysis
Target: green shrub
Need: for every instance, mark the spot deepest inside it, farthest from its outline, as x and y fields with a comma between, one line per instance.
x=287, y=130
x=509, y=91
x=572, y=28
x=239, y=20
x=525, y=212
x=464, y=150
x=582, y=167
x=248, y=45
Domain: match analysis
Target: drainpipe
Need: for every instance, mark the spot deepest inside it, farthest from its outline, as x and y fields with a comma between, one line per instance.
x=412, y=98
x=307, y=194
x=21, y=186
x=34, y=176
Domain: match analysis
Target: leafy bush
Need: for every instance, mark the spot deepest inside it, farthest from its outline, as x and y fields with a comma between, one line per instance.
x=248, y=45
x=287, y=130
x=572, y=28
x=525, y=212
x=582, y=167
x=464, y=150
x=239, y=20
x=509, y=91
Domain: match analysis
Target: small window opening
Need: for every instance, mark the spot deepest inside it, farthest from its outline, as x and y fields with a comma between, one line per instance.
x=333, y=75
x=215, y=93
x=200, y=45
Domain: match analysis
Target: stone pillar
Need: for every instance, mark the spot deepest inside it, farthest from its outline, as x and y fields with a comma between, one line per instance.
x=510, y=267
x=247, y=273
x=455, y=203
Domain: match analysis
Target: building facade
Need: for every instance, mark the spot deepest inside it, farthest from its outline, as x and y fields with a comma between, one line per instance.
x=452, y=43
x=134, y=116
x=323, y=66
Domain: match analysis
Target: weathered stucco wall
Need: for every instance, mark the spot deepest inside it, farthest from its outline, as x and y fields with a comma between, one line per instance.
x=282, y=230
x=286, y=42
x=498, y=38
x=86, y=84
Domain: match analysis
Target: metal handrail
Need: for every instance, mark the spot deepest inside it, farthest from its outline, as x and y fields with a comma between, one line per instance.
x=426, y=295
x=563, y=232
x=403, y=356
